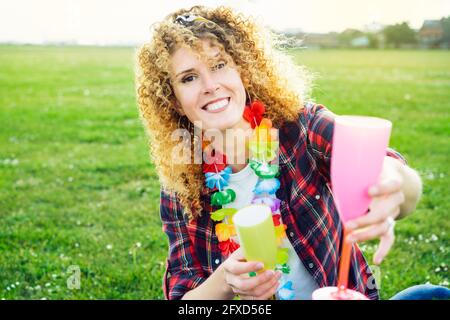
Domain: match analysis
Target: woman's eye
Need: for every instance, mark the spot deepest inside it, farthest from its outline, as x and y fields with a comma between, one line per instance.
x=219, y=66
x=188, y=79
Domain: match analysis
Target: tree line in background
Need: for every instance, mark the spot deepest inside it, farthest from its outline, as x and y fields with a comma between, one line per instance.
x=434, y=34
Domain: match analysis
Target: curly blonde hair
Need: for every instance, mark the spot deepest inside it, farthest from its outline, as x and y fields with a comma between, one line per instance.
x=267, y=75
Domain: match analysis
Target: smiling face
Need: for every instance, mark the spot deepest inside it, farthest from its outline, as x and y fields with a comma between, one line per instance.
x=213, y=94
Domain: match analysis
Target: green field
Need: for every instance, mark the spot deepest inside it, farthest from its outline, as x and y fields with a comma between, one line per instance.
x=77, y=187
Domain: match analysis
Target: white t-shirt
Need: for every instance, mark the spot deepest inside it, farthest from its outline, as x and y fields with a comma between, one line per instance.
x=303, y=284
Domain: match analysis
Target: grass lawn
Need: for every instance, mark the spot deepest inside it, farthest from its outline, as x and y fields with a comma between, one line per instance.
x=77, y=187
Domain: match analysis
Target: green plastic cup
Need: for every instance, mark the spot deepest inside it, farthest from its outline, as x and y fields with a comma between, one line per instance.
x=256, y=232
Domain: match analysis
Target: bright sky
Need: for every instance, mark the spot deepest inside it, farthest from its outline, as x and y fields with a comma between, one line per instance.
x=128, y=21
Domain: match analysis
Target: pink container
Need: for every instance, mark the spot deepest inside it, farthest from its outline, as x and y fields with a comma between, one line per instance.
x=359, y=148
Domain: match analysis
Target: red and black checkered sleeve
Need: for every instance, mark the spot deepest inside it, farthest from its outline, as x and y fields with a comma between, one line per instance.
x=320, y=125
x=183, y=270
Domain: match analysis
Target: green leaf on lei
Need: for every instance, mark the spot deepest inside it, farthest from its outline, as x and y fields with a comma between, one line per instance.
x=264, y=170
x=220, y=198
x=283, y=268
x=220, y=214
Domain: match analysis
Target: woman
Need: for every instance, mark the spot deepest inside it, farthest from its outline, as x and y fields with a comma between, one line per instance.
x=210, y=70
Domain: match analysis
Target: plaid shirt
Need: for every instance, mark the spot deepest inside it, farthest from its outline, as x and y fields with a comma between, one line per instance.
x=307, y=208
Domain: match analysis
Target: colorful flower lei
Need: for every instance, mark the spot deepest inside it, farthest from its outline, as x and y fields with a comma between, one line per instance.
x=263, y=146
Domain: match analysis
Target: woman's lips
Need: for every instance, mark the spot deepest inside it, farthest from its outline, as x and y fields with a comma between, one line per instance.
x=220, y=109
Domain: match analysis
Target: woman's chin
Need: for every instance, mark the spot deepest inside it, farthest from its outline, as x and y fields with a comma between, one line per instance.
x=219, y=127
x=219, y=122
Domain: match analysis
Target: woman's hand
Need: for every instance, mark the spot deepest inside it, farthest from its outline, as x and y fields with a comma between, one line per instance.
x=387, y=198
x=260, y=287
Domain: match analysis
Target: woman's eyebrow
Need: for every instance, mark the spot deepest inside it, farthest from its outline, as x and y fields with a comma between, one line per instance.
x=185, y=71
x=216, y=57
x=218, y=54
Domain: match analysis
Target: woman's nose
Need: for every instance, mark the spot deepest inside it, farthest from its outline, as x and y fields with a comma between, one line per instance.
x=210, y=85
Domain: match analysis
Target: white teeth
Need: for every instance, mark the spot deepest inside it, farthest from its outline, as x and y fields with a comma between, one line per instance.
x=217, y=105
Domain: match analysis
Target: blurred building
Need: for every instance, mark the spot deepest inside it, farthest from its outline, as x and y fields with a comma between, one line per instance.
x=431, y=34
x=360, y=42
x=319, y=40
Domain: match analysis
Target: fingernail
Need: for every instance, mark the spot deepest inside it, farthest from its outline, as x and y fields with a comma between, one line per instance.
x=270, y=273
x=259, y=266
